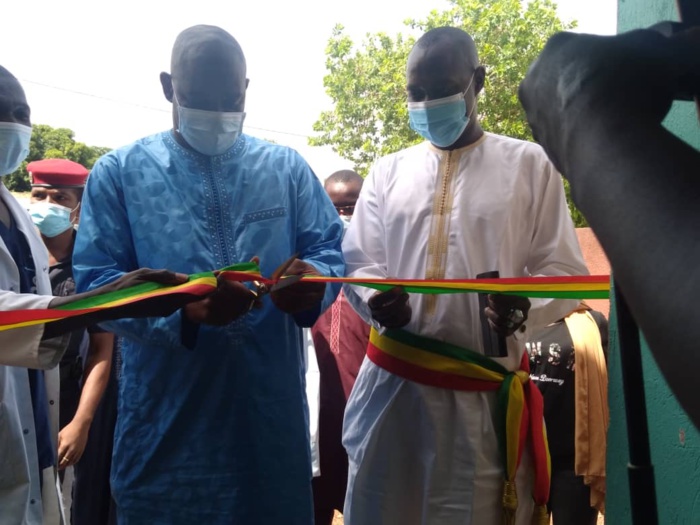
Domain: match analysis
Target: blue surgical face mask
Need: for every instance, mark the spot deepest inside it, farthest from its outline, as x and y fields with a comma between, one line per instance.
x=209, y=132
x=14, y=146
x=441, y=121
x=51, y=219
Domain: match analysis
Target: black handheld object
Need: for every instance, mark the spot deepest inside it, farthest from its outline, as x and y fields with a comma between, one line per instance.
x=494, y=344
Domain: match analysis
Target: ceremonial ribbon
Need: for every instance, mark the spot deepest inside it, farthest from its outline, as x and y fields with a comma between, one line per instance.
x=520, y=405
x=201, y=284
x=561, y=287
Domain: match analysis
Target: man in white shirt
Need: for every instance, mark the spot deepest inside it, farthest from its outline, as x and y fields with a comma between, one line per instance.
x=29, y=379
x=423, y=443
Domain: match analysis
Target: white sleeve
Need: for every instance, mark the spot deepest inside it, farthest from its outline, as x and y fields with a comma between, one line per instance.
x=24, y=346
x=364, y=245
x=554, y=249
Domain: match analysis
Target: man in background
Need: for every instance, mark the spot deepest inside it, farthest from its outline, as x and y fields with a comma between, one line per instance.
x=57, y=190
x=568, y=365
x=29, y=355
x=340, y=338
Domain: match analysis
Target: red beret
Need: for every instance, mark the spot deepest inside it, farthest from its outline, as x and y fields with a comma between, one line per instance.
x=57, y=172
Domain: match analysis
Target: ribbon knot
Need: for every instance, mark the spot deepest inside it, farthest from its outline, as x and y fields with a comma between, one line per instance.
x=523, y=376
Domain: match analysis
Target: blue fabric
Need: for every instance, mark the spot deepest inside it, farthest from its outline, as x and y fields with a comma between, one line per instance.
x=214, y=434
x=42, y=423
x=19, y=250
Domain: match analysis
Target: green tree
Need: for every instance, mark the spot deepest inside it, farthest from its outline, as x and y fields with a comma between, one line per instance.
x=52, y=143
x=369, y=118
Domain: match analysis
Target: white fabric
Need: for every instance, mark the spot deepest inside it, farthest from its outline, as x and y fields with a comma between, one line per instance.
x=313, y=398
x=66, y=489
x=424, y=455
x=20, y=494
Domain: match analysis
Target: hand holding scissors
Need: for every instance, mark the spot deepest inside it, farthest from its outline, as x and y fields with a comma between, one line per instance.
x=279, y=278
x=287, y=293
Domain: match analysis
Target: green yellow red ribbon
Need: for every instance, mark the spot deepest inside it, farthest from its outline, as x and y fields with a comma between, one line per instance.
x=197, y=285
x=201, y=284
x=563, y=287
x=520, y=406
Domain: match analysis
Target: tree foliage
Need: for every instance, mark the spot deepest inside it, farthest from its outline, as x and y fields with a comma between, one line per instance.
x=369, y=118
x=368, y=90
x=52, y=143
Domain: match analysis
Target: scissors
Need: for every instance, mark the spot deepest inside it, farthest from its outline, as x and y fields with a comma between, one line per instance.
x=280, y=280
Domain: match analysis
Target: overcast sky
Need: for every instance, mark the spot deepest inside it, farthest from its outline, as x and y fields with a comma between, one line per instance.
x=92, y=66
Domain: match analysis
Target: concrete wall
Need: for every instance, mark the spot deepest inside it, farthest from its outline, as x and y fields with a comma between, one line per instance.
x=674, y=440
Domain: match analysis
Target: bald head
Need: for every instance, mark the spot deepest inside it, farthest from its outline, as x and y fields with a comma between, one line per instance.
x=208, y=71
x=199, y=47
x=5, y=74
x=13, y=102
x=449, y=47
x=8, y=81
x=343, y=187
x=444, y=63
x=345, y=177
x=452, y=38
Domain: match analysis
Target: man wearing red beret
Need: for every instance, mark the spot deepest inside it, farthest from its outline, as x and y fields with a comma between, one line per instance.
x=29, y=355
x=57, y=190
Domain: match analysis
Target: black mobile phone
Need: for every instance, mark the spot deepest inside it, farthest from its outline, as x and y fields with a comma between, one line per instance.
x=494, y=344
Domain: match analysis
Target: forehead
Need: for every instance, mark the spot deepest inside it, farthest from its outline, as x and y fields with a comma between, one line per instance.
x=439, y=63
x=343, y=190
x=340, y=186
x=200, y=72
x=11, y=96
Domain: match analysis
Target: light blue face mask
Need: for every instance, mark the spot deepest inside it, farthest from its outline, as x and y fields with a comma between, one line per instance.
x=51, y=219
x=441, y=121
x=14, y=146
x=209, y=132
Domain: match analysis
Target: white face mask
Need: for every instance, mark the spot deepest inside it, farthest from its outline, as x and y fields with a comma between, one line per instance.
x=209, y=132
